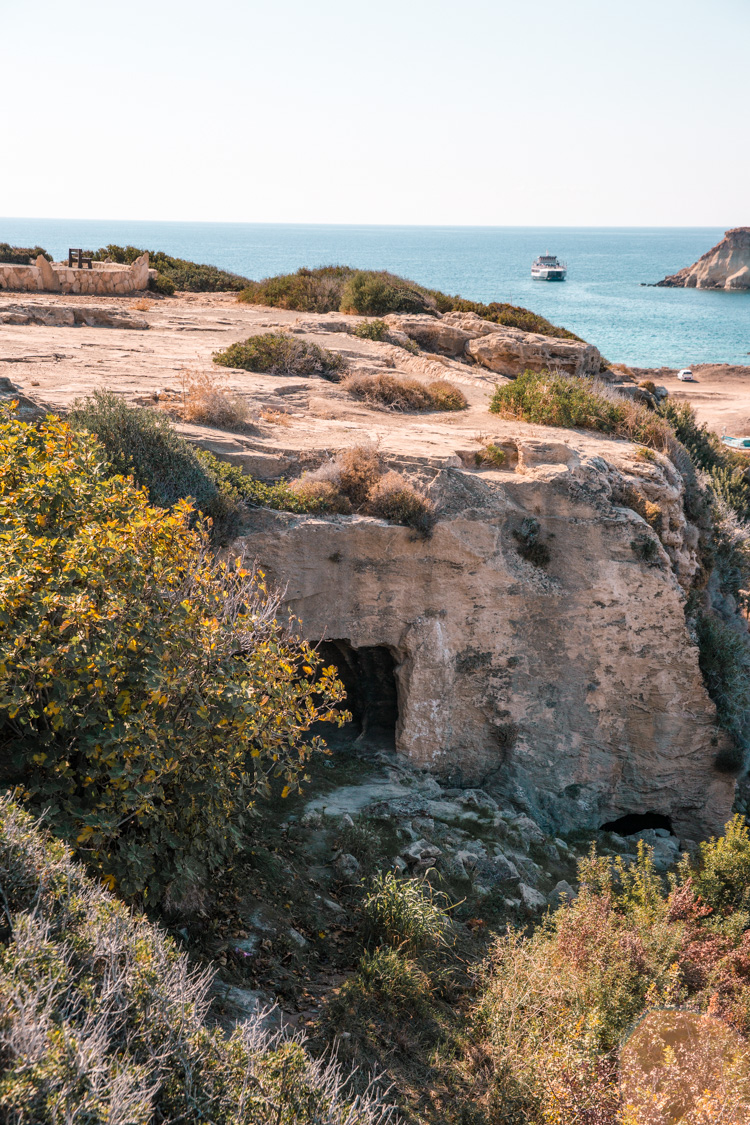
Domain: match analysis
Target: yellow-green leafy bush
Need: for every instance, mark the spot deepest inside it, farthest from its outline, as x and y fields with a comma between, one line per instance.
x=103, y=1021
x=147, y=690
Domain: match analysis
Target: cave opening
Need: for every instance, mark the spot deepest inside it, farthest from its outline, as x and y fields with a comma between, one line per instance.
x=631, y=823
x=369, y=676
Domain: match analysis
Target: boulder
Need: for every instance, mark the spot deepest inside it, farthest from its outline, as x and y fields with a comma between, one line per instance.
x=434, y=334
x=531, y=898
x=561, y=893
x=346, y=866
x=509, y=351
x=724, y=266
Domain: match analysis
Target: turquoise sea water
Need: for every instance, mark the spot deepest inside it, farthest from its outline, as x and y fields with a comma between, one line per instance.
x=602, y=300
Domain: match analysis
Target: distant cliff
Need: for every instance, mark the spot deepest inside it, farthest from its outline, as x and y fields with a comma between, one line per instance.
x=726, y=266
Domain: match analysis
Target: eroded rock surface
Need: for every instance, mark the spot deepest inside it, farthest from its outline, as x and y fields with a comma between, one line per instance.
x=571, y=689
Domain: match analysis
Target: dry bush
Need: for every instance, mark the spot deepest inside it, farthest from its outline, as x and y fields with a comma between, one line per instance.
x=405, y=394
x=277, y=417
x=627, y=496
x=394, y=498
x=359, y=469
x=206, y=400
x=325, y=492
x=446, y=395
x=143, y=305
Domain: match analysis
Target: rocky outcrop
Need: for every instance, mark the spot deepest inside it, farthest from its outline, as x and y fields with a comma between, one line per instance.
x=725, y=266
x=69, y=316
x=506, y=351
x=573, y=689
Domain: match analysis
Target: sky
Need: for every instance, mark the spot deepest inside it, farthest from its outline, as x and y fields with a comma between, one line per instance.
x=483, y=112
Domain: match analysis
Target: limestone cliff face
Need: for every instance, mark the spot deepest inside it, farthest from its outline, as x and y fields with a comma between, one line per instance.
x=725, y=266
x=572, y=689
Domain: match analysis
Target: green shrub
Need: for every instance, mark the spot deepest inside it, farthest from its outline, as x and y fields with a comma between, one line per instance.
x=403, y=393
x=490, y=454
x=306, y=290
x=723, y=876
x=278, y=353
x=371, y=330
x=142, y=442
x=21, y=255
x=724, y=658
x=147, y=690
x=386, y=984
x=103, y=1021
x=406, y=913
x=194, y=277
x=376, y=293
x=579, y=403
x=162, y=284
x=371, y=293
x=530, y=546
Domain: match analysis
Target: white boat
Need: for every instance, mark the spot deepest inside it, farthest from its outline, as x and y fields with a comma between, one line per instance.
x=548, y=267
x=742, y=443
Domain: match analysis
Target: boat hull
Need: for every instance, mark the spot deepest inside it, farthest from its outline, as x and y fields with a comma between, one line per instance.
x=548, y=275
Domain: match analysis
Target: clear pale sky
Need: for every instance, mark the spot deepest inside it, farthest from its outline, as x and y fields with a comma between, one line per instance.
x=528, y=112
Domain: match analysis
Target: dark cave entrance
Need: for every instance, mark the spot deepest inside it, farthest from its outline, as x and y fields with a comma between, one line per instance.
x=368, y=674
x=633, y=822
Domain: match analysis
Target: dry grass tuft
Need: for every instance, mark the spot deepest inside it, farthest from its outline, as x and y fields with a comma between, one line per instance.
x=143, y=305
x=359, y=470
x=277, y=417
x=206, y=400
x=405, y=394
x=324, y=492
x=394, y=498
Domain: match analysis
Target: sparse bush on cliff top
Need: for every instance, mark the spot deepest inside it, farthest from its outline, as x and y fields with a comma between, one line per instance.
x=195, y=277
x=147, y=690
x=394, y=498
x=376, y=293
x=402, y=393
x=278, y=353
x=103, y=1021
x=21, y=255
x=572, y=402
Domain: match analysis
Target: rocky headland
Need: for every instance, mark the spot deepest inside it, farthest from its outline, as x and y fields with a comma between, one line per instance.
x=724, y=266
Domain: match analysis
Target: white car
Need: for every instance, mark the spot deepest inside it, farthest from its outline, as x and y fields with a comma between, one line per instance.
x=686, y=375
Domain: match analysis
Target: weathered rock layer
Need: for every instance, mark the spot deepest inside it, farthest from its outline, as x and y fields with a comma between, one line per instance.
x=725, y=266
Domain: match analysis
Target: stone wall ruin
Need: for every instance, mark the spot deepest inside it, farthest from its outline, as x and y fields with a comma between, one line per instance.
x=102, y=280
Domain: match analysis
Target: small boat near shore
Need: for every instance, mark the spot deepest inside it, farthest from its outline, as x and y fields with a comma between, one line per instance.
x=740, y=443
x=548, y=267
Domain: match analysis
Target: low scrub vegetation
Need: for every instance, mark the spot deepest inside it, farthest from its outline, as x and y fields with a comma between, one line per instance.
x=371, y=330
x=174, y=273
x=376, y=293
x=147, y=690
x=399, y=392
x=405, y=913
x=553, y=399
x=355, y=481
x=104, y=1021
x=142, y=443
x=279, y=353
x=206, y=400
x=21, y=255
x=557, y=1007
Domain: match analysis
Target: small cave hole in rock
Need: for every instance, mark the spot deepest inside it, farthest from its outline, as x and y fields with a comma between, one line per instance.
x=634, y=822
x=368, y=674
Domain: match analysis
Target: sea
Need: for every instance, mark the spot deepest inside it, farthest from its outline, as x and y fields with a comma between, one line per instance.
x=608, y=298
